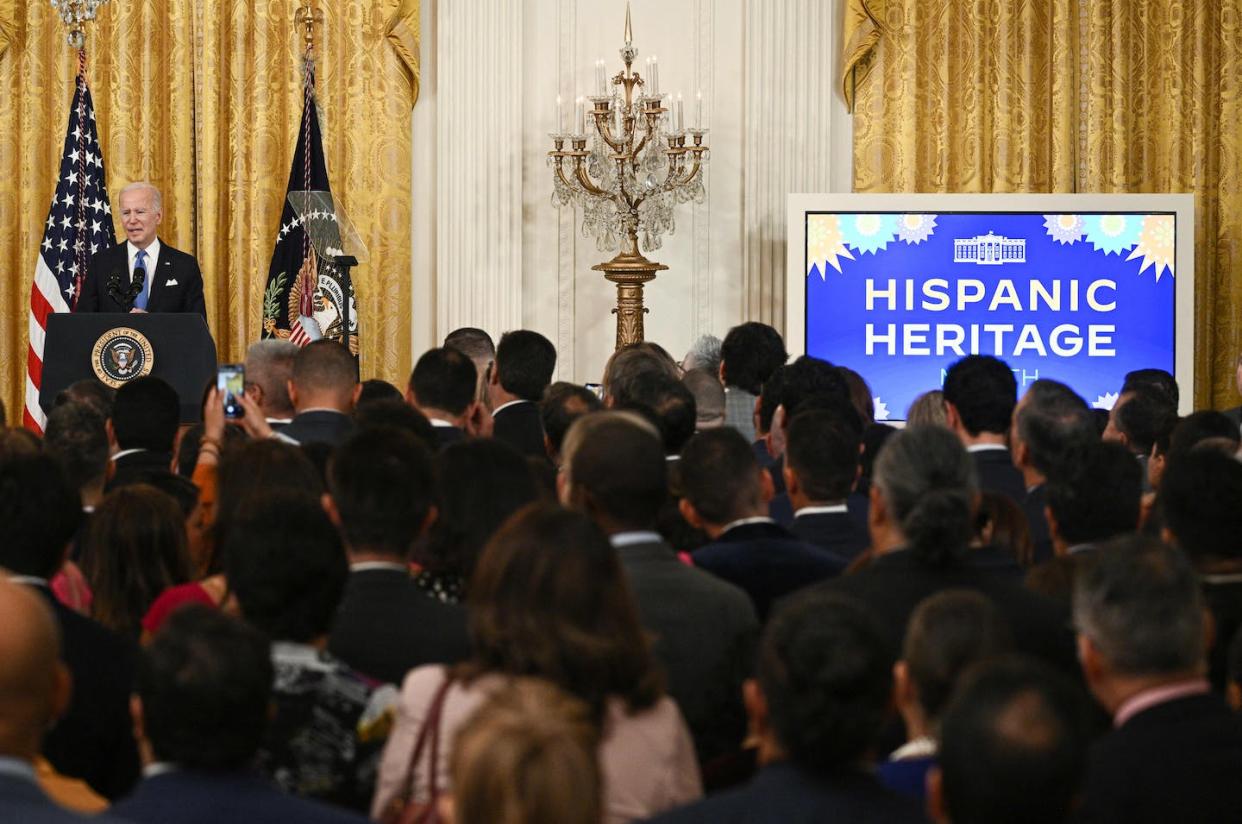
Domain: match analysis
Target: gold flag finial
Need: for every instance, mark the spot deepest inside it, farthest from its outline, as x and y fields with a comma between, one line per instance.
x=308, y=17
x=629, y=32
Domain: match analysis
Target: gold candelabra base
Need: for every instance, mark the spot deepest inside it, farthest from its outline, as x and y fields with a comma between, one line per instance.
x=629, y=270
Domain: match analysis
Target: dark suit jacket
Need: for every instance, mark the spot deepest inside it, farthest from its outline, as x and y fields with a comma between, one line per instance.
x=837, y=532
x=23, y=802
x=136, y=467
x=1224, y=599
x=94, y=740
x=998, y=474
x=185, y=294
x=195, y=797
x=767, y=561
x=1033, y=504
x=387, y=626
x=320, y=426
x=705, y=632
x=785, y=794
x=520, y=427
x=447, y=436
x=1177, y=761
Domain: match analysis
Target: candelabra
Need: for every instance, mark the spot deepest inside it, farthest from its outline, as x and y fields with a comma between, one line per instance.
x=627, y=167
x=74, y=14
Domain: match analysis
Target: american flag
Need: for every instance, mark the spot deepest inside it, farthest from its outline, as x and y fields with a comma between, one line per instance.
x=79, y=223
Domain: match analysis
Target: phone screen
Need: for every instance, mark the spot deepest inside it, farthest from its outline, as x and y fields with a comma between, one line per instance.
x=231, y=381
x=597, y=388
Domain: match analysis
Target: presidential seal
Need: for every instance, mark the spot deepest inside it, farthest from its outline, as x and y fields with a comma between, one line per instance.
x=122, y=354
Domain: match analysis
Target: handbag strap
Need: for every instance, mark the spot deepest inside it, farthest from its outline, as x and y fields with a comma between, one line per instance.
x=430, y=731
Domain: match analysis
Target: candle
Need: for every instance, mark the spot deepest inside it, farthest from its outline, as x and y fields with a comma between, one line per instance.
x=629, y=32
x=655, y=75
x=599, y=78
x=580, y=117
x=681, y=120
x=698, y=109
x=560, y=116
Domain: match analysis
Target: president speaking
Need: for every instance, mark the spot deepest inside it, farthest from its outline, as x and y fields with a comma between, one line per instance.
x=142, y=274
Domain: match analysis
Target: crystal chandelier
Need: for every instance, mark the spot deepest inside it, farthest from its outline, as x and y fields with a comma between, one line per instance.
x=75, y=14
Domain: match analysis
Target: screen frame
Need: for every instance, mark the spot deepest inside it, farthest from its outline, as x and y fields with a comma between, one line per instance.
x=1182, y=206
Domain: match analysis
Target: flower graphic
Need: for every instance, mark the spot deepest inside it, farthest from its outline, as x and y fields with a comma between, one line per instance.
x=1112, y=234
x=868, y=232
x=823, y=244
x=1105, y=401
x=881, y=409
x=1064, y=229
x=1155, y=244
x=916, y=228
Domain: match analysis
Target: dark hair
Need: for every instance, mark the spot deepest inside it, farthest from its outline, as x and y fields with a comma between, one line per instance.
x=563, y=404
x=549, y=598
x=1097, y=496
x=90, y=391
x=809, y=377
x=623, y=469
x=1157, y=379
x=525, y=361
x=286, y=565
x=136, y=549
x=1054, y=423
x=481, y=483
x=77, y=437
x=1011, y=531
x=627, y=368
x=749, y=354
x=205, y=682
x=444, y=379
x=145, y=415
x=192, y=441
x=474, y=343
x=947, y=633
x=39, y=513
x=1140, y=604
x=826, y=675
x=395, y=413
x=382, y=486
x=770, y=398
x=1200, y=499
x=324, y=366
x=375, y=390
x=1013, y=745
x=860, y=393
x=720, y=475
x=984, y=392
x=1144, y=415
x=823, y=449
x=875, y=435
x=1192, y=429
x=671, y=406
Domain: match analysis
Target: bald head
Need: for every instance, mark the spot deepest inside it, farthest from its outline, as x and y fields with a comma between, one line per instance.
x=34, y=684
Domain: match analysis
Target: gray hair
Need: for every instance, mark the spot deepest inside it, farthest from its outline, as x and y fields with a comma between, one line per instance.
x=704, y=354
x=928, y=481
x=157, y=199
x=269, y=365
x=709, y=397
x=927, y=409
x=1140, y=603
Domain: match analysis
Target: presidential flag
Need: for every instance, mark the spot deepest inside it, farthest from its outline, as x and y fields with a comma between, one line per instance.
x=303, y=300
x=79, y=224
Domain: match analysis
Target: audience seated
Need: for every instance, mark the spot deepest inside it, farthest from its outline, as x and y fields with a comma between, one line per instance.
x=822, y=690
x=269, y=368
x=443, y=386
x=323, y=388
x=726, y=495
x=980, y=393
x=749, y=354
x=704, y=627
x=1175, y=752
x=142, y=429
x=550, y=600
x=381, y=494
x=562, y=404
x=523, y=368
x=709, y=398
x=821, y=469
x=202, y=711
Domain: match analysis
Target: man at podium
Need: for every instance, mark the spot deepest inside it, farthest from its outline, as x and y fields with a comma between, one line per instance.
x=142, y=274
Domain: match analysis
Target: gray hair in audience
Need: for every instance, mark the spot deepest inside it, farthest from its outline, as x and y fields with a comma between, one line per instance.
x=1054, y=422
x=1140, y=604
x=927, y=410
x=474, y=343
x=630, y=365
x=269, y=366
x=709, y=397
x=704, y=354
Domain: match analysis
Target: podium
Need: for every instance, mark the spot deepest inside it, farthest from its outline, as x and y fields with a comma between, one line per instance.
x=115, y=348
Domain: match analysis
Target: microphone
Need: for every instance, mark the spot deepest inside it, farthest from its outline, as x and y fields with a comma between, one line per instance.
x=140, y=279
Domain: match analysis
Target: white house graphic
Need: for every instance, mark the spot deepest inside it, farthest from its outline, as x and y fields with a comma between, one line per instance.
x=989, y=250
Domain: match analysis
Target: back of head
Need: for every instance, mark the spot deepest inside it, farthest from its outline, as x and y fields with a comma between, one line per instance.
x=563, y=404
x=375, y=390
x=709, y=398
x=749, y=355
x=91, y=392
x=527, y=756
x=1054, y=423
x=382, y=487
x=269, y=366
x=807, y=378
x=205, y=682
x=549, y=599
x=1158, y=379
x=76, y=436
x=928, y=483
x=984, y=392
x=39, y=514
x=823, y=449
x=1097, y=495
x=473, y=343
x=629, y=367
x=769, y=399
x=444, y=379
x=525, y=361
x=927, y=410
x=286, y=565
x=1013, y=746
x=704, y=354
x=671, y=404
x=255, y=467
x=1145, y=415
x=947, y=634
x=720, y=476
x=29, y=670
x=826, y=678
x=395, y=413
x=615, y=466
x=860, y=393
x=1139, y=603
x=324, y=372
x=145, y=415
x=1199, y=498
x=1196, y=428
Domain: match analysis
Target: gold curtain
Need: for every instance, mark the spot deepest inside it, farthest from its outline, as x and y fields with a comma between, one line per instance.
x=204, y=101
x=1065, y=96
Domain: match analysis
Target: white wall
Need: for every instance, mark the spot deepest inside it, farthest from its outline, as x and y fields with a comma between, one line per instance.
x=489, y=248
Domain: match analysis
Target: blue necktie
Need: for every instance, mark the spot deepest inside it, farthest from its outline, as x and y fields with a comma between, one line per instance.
x=140, y=262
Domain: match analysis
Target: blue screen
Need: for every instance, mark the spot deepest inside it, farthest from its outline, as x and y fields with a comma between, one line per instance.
x=1079, y=298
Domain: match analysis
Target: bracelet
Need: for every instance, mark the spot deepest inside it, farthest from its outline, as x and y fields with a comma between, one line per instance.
x=209, y=448
x=210, y=440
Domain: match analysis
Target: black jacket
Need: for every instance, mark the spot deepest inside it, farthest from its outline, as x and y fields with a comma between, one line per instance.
x=519, y=426
x=838, y=532
x=176, y=283
x=320, y=426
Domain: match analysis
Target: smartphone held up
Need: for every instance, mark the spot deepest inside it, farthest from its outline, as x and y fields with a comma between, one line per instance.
x=231, y=381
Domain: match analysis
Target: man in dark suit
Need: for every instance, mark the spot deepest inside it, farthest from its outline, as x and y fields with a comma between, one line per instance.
x=170, y=279
x=705, y=628
x=563, y=404
x=1175, y=752
x=143, y=428
x=442, y=387
x=980, y=393
x=324, y=388
x=821, y=468
x=524, y=364
x=726, y=495
x=381, y=490
x=39, y=513
x=823, y=689
x=202, y=706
